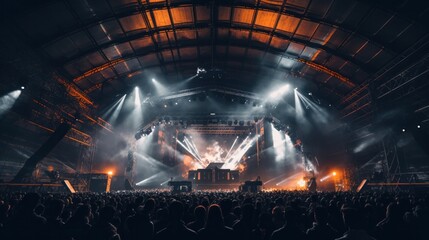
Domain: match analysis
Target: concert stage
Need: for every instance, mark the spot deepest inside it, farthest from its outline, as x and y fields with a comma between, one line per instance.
x=214, y=177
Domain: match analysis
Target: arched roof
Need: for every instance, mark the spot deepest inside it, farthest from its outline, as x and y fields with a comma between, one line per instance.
x=102, y=46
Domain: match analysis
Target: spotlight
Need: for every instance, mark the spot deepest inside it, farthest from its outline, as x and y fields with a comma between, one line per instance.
x=403, y=130
x=418, y=126
x=296, y=89
x=334, y=173
x=189, y=100
x=110, y=173
x=165, y=105
x=153, y=80
x=175, y=103
x=22, y=87
x=310, y=94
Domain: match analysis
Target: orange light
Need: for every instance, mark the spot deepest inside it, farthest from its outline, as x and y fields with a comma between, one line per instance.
x=334, y=173
x=110, y=173
x=301, y=183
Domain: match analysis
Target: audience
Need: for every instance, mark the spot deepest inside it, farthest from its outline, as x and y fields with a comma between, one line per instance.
x=157, y=215
x=215, y=227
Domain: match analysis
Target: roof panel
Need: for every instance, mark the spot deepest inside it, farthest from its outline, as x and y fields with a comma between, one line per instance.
x=188, y=53
x=95, y=59
x=266, y=19
x=374, y=21
x=323, y=34
x=142, y=44
x=295, y=49
x=90, y=9
x=106, y=31
x=203, y=13
x=149, y=60
x=132, y=23
x=107, y=73
x=259, y=39
x=182, y=15
x=239, y=35
x=288, y=24
x=160, y=19
x=161, y=39
x=243, y=15
x=306, y=29
x=224, y=13
x=121, y=68
x=340, y=10
x=279, y=43
x=81, y=40
x=319, y=8
x=185, y=35
x=167, y=56
x=117, y=51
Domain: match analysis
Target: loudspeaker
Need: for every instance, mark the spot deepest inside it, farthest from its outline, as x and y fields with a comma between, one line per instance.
x=98, y=185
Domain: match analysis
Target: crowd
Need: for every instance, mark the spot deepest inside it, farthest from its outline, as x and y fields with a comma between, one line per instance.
x=276, y=215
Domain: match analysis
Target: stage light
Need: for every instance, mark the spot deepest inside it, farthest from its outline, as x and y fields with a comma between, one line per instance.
x=110, y=173
x=334, y=173
x=418, y=126
x=165, y=105
x=7, y=101
x=22, y=87
x=279, y=92
x=310, y=94
x=189, y=100
x=296, y=89
x=301, y=183
x=153, y=80
x=176, y=103
x=403, y=130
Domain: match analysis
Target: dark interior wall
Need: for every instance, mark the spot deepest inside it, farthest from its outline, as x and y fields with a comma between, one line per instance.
x=19, y=140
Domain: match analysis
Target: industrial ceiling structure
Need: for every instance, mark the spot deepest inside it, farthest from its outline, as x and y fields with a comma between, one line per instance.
x=362, y=56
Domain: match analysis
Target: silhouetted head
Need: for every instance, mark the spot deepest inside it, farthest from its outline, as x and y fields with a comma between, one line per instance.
x=107, y=213
x=247, y=212
x=214, y=217
x=291, y=216
x=351, y=218
x=321, y=215
x=30, y=201
x=176, y=211
x=200, y=213
x=83, y=211
x=149, y=206
x=54, y=208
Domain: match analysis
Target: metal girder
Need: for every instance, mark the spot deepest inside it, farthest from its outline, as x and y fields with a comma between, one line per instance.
x=215, y=130
x=405, y=58
x=412, y=73
x=191, y=26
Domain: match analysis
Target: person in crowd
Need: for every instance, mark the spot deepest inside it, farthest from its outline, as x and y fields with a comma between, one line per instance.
x=264, y=228
x=243, y=227
x=140, y=226
x=321, y=229
x=290, y=230
x=25, y=223
x=393, y=225
x=176, y=228
x=215, y=228
x=78, y=227
x=103, y=229
x=200, y=219
x=353, y=222
x=54, y=227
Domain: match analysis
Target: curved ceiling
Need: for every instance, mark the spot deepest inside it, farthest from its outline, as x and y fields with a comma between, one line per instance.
x=105, y=45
